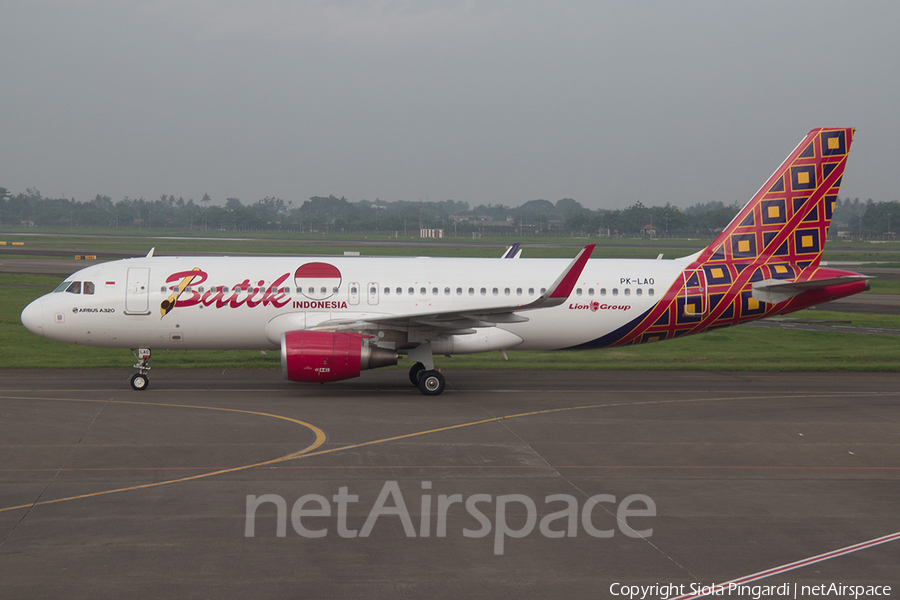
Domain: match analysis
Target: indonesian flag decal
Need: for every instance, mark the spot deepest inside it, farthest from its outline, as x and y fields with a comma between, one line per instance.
x=317, y=281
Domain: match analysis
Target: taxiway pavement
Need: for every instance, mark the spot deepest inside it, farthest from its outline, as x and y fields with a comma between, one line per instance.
x=106, y=492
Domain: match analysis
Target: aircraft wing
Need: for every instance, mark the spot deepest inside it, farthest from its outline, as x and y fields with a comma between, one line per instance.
x=465, y=321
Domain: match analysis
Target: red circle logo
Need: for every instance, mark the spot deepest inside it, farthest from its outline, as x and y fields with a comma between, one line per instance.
x=317, y=281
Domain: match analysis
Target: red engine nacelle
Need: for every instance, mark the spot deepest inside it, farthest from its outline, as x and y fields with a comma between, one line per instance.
x=319, y=356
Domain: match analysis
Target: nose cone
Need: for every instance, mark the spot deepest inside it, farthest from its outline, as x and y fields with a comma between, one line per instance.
x=33, y=318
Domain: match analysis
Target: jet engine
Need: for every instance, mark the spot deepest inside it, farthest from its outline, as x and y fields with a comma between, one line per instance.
x=319, y=356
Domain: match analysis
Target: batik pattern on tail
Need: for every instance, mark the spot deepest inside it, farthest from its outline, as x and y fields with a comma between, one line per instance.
x=778, y=235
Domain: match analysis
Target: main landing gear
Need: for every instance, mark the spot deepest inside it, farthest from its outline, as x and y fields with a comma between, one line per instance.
x=139, y=380
x=429, y=382
x=415, y=373
x=423, y=374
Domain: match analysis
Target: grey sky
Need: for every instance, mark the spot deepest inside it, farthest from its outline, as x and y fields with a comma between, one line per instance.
x=484, y=102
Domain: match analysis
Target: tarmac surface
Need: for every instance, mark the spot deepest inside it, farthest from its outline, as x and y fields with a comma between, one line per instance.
x=687, y=479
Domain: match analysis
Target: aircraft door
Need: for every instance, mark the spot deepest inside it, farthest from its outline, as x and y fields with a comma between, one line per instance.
x=354, y=292
x=372, y=290
x=137, y=291
x=696, y=293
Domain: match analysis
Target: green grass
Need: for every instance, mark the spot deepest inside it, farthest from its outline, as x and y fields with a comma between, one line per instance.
x=19, y=348
x=884, y=286
x=42, y=282
x=875, y=320
x=737, y=348
x=862, y=256
x=138, y=242
x=561, y=248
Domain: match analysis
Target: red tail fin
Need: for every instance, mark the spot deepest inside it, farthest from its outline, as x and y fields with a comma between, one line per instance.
x=788, y=218
x=767, y=260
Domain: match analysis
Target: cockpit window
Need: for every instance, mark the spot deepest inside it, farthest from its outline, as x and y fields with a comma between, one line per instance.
x=62, y=287
x=74, y=287
x=88, y=287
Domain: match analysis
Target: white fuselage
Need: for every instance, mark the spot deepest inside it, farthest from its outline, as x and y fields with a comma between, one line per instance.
x=247, y=302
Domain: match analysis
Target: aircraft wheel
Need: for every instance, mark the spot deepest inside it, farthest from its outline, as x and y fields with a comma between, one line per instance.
x=415, y=373
x=431, y=383
x=139, y=382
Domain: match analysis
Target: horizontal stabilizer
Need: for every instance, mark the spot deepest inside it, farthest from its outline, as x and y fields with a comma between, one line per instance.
x=774, y=291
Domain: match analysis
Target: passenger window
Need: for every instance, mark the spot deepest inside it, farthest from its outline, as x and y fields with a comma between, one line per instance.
x=483, y=291
x=446, y=291
x=459, y=291
x=74, y=287
x=399, y=291
x=412, y=291
x=506, y=292
x=471, y=291
x=602, y=291
x=531, y=291
x=543, y=290
x=422, y=291
x=627, y=291
x=578, y=292
x=518, y=291
x=640, y=292
x=163, y=289
x=590, y=291
x=650, y=291
x=615, y=291
x=496, y=291
x=387, y=291
x=353, y=290
x=434, y=291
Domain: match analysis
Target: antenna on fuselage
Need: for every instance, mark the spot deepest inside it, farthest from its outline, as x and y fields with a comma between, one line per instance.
x=150, y=254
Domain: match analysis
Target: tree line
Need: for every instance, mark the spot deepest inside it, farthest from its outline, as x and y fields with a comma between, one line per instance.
x=331, y=214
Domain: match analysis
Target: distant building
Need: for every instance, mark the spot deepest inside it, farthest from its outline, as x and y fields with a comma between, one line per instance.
x=431, y=233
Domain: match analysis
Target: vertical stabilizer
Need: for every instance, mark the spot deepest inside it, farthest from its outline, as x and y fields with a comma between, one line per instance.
x=788, y=218
x=766, y=262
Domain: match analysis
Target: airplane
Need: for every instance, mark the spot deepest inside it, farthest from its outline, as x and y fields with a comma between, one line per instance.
x=334, y=317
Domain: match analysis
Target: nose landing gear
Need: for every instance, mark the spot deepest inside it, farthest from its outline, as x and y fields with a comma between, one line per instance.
x=139, y=380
